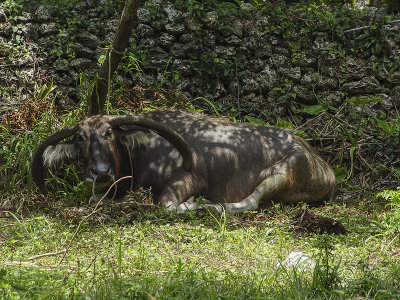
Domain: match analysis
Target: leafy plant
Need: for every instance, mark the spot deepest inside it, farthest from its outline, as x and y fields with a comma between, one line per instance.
x=326, y=270
x=390, y=221
x=390, y=128
x=351, y=134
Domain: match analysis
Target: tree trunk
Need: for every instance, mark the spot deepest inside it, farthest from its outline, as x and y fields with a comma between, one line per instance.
x=120, y=43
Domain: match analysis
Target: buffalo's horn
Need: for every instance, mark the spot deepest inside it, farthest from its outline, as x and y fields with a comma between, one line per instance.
x=164, y=131
x=37, y=168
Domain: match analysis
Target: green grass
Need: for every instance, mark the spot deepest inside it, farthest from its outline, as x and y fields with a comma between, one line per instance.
x=190, y=257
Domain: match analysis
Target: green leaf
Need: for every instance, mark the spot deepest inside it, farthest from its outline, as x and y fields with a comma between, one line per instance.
x=3, y=272
x=315, y=109
x=257, y=121
x=284, y=124
x=385, y=126
x=340, y=174
x=301, y=133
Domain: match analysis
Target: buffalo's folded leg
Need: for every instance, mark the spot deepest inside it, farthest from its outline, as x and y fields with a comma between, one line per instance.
x=269, y=187
x=181, y=189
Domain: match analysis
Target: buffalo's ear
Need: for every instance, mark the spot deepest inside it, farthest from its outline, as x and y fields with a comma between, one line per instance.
x=64, y=151
x=132, y=136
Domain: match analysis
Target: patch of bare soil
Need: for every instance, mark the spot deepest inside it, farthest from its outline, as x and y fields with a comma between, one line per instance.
x=140, y=203
x=137, y=98
x=125, y=211
x=307, y=221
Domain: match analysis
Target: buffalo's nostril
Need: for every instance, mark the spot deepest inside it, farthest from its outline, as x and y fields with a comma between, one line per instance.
x=101, y=173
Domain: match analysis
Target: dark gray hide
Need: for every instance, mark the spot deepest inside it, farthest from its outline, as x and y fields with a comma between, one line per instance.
x=238, y=165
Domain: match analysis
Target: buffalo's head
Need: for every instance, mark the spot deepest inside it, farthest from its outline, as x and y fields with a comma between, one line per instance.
x=97, y=140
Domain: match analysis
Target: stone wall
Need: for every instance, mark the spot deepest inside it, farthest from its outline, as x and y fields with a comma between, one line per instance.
x=239, y=58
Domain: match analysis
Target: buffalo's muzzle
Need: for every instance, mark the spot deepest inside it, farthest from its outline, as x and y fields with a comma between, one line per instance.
x=100, y=173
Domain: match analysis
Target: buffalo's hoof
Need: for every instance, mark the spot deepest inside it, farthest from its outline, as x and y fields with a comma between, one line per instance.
x=214, y=208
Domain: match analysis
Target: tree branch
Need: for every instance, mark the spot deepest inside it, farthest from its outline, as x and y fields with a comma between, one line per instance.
x=114, y=56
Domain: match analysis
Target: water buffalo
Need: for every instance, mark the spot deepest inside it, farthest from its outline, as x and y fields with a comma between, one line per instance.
x=180, y=155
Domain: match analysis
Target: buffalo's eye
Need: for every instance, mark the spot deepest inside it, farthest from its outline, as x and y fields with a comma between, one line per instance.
x=80, y=138
x=108, y=133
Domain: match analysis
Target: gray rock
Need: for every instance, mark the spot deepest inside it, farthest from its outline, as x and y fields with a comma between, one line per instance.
x=274, y=40
x=326, y=83
x=210, y=19
x=3, y=17
x=396, y=94
x=322, y=44
x=143, y=15
x=110, y=27
x=144, y=79
x=147, y=43
x=309, y=79
x=218, y=90
x=187, y=38
x=305, y=95
x=88, y=40
x=334, y=98
x=24, y=18
x=282, y=51
x=183, y=68
x=172, y=13
x=351, y=71
x=61, y=65
x=291, y=73
x=256, y=65
x=166, y=39
x=387, y=102
x=177, y=28
x=42, y=14
x=184, y=85
x=95, y=12
x=159, y=58
x=83, y=52
x=264, y=51
x=246, y=6
x=222, y=51
x=233, y=40
x=81, y=63
x=305, y=61
x=178, y=50
x=262, y=21
x=48, y=28
x=278, y=60
x=210, y=41
x=63, y=79
x=237, y=28
x=250, y=85
x=267, y=79
x=143, y=30
x=48, y=41
x=31, y=31
x=5, y=30
x=394, y=78
x=365, y=85
x=250, y=43
x=330, y=71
